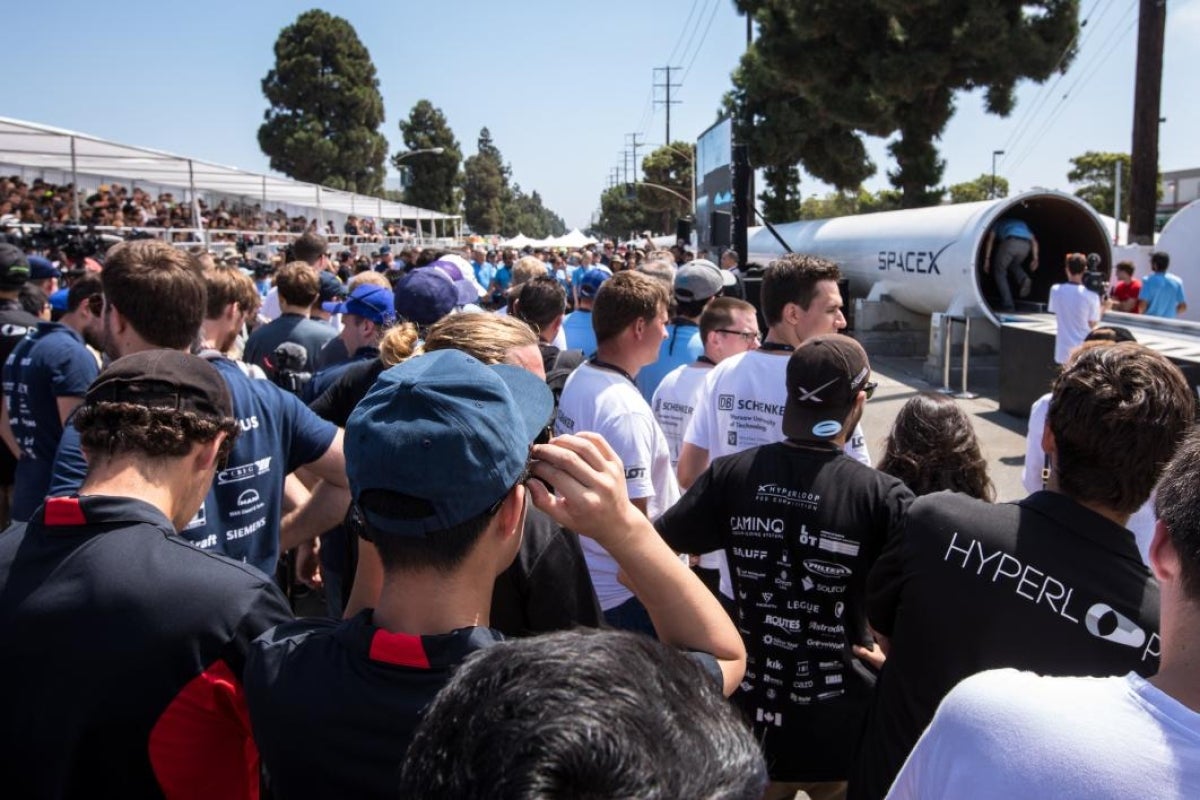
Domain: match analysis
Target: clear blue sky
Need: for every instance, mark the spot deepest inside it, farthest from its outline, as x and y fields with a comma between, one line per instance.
x=559, y=84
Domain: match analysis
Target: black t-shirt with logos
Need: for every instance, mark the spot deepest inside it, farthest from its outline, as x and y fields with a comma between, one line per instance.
x=801, y=527
x=1044, y=585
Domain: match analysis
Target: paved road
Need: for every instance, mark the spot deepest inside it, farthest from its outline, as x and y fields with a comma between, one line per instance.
x=1001, y=435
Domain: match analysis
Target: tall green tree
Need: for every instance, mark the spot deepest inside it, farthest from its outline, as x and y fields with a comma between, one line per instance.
x=978, y=189
x=781, y=199
x=434, y=178
x=322, y=125
x=1095, y=174
x=666, y=186
x=622, y=214
x=883, y=67
x=485, y=184
x=848, y=203
x=526, y=213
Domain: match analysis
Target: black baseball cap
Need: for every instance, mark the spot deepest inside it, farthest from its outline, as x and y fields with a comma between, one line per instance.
x=14, y=267
x=824, y=376
x=163, y=379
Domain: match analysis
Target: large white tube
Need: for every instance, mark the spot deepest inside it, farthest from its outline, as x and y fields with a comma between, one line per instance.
x=929, y=260
x=1180, y=239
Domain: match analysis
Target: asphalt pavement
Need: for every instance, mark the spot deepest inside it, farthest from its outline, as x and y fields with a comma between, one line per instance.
x=1001, y=435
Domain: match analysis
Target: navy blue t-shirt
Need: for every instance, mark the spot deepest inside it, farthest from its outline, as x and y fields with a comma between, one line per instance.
x=329, y=375
x=50, y=363
x=240, y=516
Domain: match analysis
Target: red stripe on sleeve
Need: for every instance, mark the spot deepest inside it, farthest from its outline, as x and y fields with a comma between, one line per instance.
x=399, y=648
x=201, y=745
x=64, y=511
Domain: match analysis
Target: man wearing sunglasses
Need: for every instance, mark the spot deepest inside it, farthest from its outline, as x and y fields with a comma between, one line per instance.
x=366, y=314
x=801, y=523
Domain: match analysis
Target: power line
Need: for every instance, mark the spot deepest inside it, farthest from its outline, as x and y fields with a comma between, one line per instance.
x=1045, y=92
x=1085, y=75
x=716, y=7
x=682, y=31
x=666, y=102
x=695, y=28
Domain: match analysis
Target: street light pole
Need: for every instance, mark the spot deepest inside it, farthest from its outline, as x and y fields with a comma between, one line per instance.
x=992, y=192
x=691, y=154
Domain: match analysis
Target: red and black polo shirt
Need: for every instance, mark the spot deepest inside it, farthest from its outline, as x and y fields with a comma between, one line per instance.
x=334, y=704
x=124, y=648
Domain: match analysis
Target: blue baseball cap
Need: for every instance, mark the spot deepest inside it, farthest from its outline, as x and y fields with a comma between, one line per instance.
x=41, y=268
x=440, y=439
x=331, y=287
x=368, y=301
x=590, y=284
x=424, y=296
x=58, y=299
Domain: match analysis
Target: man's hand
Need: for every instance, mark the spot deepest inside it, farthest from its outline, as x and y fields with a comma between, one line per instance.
x=308, y=564
x=589, y=482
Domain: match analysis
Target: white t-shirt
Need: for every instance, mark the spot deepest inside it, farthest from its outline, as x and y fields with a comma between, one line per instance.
x=608, y=403
x=1006, y=734
x=675, y=401
x=1074, y=306
x=742, y=407
x=673, y=404
x=1141, y=523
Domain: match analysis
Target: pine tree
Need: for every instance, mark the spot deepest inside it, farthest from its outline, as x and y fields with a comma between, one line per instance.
x=322, y=125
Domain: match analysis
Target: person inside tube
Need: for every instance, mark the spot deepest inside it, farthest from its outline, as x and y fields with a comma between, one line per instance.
x=1014, y=242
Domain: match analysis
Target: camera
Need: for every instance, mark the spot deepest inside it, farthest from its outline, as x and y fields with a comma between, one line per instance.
x=1096, y=279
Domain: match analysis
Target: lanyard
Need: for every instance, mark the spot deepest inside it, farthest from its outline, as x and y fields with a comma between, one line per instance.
x=596, y=362
x=775, y=347
x=705, y=360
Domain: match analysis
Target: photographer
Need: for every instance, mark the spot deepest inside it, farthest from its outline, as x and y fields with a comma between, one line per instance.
x=1077, y=308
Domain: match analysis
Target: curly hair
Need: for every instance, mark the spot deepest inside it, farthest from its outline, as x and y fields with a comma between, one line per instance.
x=112, y=429
x=932, y=447
x=398, y=343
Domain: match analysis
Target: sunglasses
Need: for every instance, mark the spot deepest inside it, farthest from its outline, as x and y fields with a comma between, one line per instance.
x=869, y=387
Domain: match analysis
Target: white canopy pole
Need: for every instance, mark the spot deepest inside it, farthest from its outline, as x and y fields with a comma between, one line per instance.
x=74, y=184
x=320, y=210
x=263, y=208
x=196, y=219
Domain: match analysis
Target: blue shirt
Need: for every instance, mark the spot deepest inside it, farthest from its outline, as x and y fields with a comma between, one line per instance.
x=1163, y=293
x=50, y=363
x=240, y=515
x=484, y=272
x=1011, y=228
x=682, y=346
x=577, y=327
x=503, y=278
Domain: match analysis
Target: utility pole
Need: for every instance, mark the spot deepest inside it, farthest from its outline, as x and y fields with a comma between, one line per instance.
x=1147, y=97
x=631, y=141
x=625, y=164
x=666, y=86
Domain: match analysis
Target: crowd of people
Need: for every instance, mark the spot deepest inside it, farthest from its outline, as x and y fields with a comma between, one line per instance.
x=112, y=205
x=466, y=524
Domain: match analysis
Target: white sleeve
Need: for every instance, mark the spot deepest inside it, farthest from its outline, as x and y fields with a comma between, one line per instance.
x=856, y=446
x=1093, y=307
x=1053, y=291
x=1035, y=457
x=701, y=431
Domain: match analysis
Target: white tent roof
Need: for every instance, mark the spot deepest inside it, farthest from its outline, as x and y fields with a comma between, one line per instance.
x=520, y=240
x=35, y=146
x=575, y=238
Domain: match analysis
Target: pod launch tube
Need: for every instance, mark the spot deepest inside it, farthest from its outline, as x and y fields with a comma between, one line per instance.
x=930, y=260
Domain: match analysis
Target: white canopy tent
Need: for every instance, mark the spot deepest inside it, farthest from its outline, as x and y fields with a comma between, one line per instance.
x=574, y=239
x=64, y=156
x=518, y=241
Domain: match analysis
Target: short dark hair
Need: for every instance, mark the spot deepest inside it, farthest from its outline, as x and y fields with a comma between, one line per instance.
x=539, y=302
x=625, y=298
x=298, y=284
x=596, y=714
x=1076, y=263
x=84, y=288
x=309, y=248
x=159, y=289
x=793, y=278
x=1159, y=260
x=440, y=550
x=932, y=447
x=1124, y=266
x=1117, y=412
x=719, y=314
x=32, y=299
x=108, y=429
x=1177, y=505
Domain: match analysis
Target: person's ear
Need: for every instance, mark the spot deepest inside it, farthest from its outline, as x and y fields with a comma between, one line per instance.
x=1049, y=446
x=1164, y=558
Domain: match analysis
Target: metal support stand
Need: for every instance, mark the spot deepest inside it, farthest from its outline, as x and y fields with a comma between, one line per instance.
x=947, y=334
